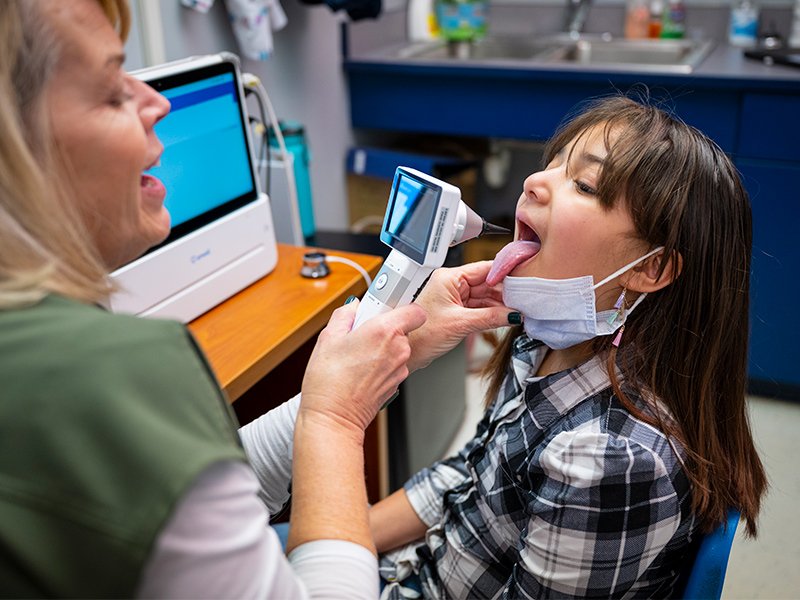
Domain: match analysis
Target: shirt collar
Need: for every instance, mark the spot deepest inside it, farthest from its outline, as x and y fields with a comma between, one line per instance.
x=557, y=393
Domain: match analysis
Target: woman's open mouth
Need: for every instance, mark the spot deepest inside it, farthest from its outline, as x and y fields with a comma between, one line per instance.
x=152, y=188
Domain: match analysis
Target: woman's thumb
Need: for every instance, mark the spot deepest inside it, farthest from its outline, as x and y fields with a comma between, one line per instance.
x=342, y=319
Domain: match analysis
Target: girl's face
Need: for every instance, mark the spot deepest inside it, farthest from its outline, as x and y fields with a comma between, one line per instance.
x=102, y=120
x=579, y=236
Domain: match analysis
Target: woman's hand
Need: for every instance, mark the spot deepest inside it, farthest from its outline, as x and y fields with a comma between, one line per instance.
x=458, y=302
x=351, y=374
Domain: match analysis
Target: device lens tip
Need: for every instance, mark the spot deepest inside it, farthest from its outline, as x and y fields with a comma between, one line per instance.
x=489, y=228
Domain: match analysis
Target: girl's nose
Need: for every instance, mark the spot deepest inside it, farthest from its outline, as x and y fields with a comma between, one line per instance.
x=537, y=187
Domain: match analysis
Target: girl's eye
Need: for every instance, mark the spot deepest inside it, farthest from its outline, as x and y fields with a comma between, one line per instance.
x=585, y=188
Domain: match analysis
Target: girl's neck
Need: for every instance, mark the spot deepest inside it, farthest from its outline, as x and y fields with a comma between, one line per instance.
x=561, y=360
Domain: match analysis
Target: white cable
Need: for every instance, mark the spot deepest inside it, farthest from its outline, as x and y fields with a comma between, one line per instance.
x=254, y=83
x=355, y=265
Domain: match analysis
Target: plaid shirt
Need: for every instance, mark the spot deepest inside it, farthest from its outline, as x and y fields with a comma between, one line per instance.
x=561, y=493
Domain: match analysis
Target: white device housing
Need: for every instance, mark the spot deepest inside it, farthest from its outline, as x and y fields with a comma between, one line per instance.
x=187, y=276
x=414, y=257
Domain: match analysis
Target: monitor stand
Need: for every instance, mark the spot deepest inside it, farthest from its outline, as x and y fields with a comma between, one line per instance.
x=195, y=273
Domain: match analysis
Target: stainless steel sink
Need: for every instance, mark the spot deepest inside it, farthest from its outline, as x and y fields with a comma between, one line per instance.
x=490, y=48
x=593, y=52
x=670, y=55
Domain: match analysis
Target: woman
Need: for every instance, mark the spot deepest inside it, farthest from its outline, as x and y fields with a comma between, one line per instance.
x=121, y=472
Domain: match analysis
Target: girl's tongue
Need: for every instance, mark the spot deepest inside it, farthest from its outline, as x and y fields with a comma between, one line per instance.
x=509, y=257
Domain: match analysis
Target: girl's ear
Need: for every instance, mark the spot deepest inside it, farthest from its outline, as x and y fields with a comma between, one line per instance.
x=644, y=276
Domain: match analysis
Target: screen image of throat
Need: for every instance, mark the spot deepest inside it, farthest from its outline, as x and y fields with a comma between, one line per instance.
x=412, y=212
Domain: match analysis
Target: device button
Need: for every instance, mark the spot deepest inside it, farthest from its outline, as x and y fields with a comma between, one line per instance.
x=381, y=281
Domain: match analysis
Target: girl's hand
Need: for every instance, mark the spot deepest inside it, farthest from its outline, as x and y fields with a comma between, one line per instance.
x=458, y=302
x=351, y=374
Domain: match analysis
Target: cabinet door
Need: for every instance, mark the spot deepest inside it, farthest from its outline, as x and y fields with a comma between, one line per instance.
x=775, y=280
x=770, y=127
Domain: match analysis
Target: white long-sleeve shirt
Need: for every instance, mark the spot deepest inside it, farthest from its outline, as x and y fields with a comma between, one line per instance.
x=218, y=542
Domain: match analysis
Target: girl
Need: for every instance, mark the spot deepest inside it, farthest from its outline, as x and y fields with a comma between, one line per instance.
x=616, y=426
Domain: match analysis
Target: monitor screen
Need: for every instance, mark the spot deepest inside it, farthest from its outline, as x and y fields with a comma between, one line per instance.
x=206, y=165
x=412, y=208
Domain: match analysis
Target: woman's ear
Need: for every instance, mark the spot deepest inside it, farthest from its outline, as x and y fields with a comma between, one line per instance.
x=644, y=276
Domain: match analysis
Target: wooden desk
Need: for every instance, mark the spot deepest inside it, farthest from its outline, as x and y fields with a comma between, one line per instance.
x=275, y=322
x=251, y=333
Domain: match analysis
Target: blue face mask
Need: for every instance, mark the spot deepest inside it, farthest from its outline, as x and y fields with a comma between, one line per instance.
x=562, y=312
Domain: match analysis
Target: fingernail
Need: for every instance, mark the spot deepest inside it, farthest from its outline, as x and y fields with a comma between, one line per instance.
x=514, y=318
x=349, y=299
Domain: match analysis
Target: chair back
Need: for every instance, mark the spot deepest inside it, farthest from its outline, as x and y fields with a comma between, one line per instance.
x=707, y=573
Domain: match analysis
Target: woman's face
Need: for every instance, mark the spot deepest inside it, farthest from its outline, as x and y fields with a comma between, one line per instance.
x=579, y=236
x=102, y=122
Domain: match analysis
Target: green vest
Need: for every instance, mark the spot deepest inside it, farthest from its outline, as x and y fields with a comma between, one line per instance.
x=105, y=421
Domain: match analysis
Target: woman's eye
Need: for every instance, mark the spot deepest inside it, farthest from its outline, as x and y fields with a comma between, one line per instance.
x=119, y=98
x=585, y=188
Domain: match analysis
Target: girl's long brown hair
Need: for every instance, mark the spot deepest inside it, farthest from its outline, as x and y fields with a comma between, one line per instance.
x=687, y=343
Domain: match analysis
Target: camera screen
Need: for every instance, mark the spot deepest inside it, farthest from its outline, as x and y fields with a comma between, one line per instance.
x=412, y=208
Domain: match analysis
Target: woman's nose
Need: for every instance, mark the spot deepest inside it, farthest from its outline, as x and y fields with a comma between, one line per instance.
x=153, y=106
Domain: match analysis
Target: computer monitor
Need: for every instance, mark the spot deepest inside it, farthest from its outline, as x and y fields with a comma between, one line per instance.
x=222, y=237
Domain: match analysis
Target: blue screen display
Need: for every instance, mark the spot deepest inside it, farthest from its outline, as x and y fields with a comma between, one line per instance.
x=205, y=161
x=410, y=220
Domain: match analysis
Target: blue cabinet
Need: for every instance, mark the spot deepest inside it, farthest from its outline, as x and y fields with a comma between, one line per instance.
x=508, y=103
x=768, y=157
x=770, y=126
x=775, y=278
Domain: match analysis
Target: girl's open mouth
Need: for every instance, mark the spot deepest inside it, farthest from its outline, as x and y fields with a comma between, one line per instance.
x=515, y=253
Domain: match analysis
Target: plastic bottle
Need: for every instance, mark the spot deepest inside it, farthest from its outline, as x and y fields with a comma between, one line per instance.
x=294, y=137
x=637, y=19
x=422, y=24
x=656, y=17
x=744, y=23
x=461, y=20
x=673, y=24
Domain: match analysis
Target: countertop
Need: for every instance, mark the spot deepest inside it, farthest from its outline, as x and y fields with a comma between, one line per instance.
x=725, y=66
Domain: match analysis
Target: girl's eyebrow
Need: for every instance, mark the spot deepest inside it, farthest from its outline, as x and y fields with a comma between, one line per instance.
x=592, y=159
x=581, y=160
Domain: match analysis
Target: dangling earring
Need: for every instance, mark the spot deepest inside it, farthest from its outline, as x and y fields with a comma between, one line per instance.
x=619, y=305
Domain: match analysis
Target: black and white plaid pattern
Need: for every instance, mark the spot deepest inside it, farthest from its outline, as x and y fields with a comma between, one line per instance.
x=561, y=493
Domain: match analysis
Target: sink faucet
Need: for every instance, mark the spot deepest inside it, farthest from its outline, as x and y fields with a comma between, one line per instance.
x=575, y=16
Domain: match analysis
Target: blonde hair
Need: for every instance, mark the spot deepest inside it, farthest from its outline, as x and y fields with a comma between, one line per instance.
x=44, y=244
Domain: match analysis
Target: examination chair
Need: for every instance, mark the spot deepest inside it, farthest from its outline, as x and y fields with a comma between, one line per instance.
x=703, y=581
